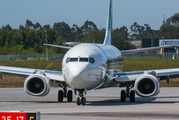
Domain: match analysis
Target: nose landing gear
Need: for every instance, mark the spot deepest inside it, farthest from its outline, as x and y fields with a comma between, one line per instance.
x=81, y=99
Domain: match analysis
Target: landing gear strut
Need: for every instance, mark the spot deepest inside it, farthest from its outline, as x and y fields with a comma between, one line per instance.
x=81, y=99
x=63, y=93
x=128, y=93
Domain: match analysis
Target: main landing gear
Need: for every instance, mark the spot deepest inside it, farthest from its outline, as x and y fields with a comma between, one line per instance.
x=81, y=99
x=128, y=93
x=63, y=93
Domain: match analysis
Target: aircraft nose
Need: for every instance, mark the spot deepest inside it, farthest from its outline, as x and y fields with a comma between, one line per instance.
x=77, y=75
x=77, y=72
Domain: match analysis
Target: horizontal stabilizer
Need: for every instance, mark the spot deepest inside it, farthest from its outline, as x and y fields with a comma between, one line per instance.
x=144, y=49
x=65, y=47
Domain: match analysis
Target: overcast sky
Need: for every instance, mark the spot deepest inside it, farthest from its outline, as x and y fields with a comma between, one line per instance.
x=125, y=12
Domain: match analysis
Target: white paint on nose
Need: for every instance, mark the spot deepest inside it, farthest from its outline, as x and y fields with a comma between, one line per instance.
x=77, y=74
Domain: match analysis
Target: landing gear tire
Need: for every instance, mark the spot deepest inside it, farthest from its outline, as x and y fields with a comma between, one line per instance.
x=60, y=96
x=70, y=96
x=78, y=101
x=132, y=96
x=83, y=101
x=123, y=96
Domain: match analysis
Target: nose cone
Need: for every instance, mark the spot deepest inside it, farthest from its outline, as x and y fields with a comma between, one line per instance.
x=76, y=75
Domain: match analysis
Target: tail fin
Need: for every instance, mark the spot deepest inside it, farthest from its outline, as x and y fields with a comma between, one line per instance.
x=107, y=40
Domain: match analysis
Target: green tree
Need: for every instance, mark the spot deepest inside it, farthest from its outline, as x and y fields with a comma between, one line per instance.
x=3, y=34
x=62, y=29
x=8, y=27
x=37, y=26
x=9, y=39
x=21, y=28
x=96, y=36
x=30, y=39
x=120, y=42
x=46, y=27
x=59, y=41
x=28, y=24
x=16, y=38
x=170, y=28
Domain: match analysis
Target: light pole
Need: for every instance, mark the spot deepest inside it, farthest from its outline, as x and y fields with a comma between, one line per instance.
x=46, y=47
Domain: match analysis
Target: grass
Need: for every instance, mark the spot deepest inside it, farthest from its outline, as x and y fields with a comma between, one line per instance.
x=149, y=64
x=129, y=65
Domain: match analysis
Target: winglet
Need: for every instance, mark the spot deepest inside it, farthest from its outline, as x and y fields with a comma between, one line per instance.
x=107, y=40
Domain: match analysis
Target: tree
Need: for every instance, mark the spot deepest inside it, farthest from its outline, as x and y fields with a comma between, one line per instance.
x=30, y=39
x=120, y=42
x=62, y=29
x=3, y=34
x=16, y=38
x=9, y=39
x=8, y=27
x=51, y=36
x=170, y=28
x=28, y=23
x=37, y=48
x=21, y=27
x=37, y=26
x=88, y=26
x=59, y=41
x=46, y=27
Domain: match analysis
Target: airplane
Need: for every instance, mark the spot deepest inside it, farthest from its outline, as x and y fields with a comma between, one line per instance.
x=89, y=66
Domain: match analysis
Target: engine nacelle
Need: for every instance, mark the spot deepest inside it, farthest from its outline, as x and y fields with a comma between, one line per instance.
x=37, y=85
x=147, y=85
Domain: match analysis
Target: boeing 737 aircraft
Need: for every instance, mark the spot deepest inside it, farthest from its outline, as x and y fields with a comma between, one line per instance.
x=90, y=66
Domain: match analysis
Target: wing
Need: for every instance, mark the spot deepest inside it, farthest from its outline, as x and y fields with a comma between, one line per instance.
x=144, y=49
x=132, y=76
x=25, y=72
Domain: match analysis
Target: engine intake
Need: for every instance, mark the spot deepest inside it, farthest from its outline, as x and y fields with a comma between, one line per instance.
x=37, y=85
x=147, y=85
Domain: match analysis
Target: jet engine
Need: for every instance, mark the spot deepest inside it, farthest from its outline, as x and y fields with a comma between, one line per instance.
x=37, y=85
x=147, y=85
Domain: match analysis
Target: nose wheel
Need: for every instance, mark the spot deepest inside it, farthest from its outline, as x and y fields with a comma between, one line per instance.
x=81, y=100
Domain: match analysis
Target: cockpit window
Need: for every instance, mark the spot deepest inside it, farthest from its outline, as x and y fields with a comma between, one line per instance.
x=83, y=59
x=73, y=59
x=91, y=60
x=67, y=60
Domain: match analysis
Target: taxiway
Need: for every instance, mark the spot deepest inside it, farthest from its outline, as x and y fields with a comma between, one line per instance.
x=101, y=104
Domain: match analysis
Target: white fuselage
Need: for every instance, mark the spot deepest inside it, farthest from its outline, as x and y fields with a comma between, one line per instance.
x=88, y=66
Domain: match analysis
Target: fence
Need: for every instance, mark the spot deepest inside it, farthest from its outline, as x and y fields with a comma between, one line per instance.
x=31, y=56
x=150, y=56
x=60, y=56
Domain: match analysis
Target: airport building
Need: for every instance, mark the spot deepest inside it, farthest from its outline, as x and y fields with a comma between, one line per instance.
x=161, y=42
